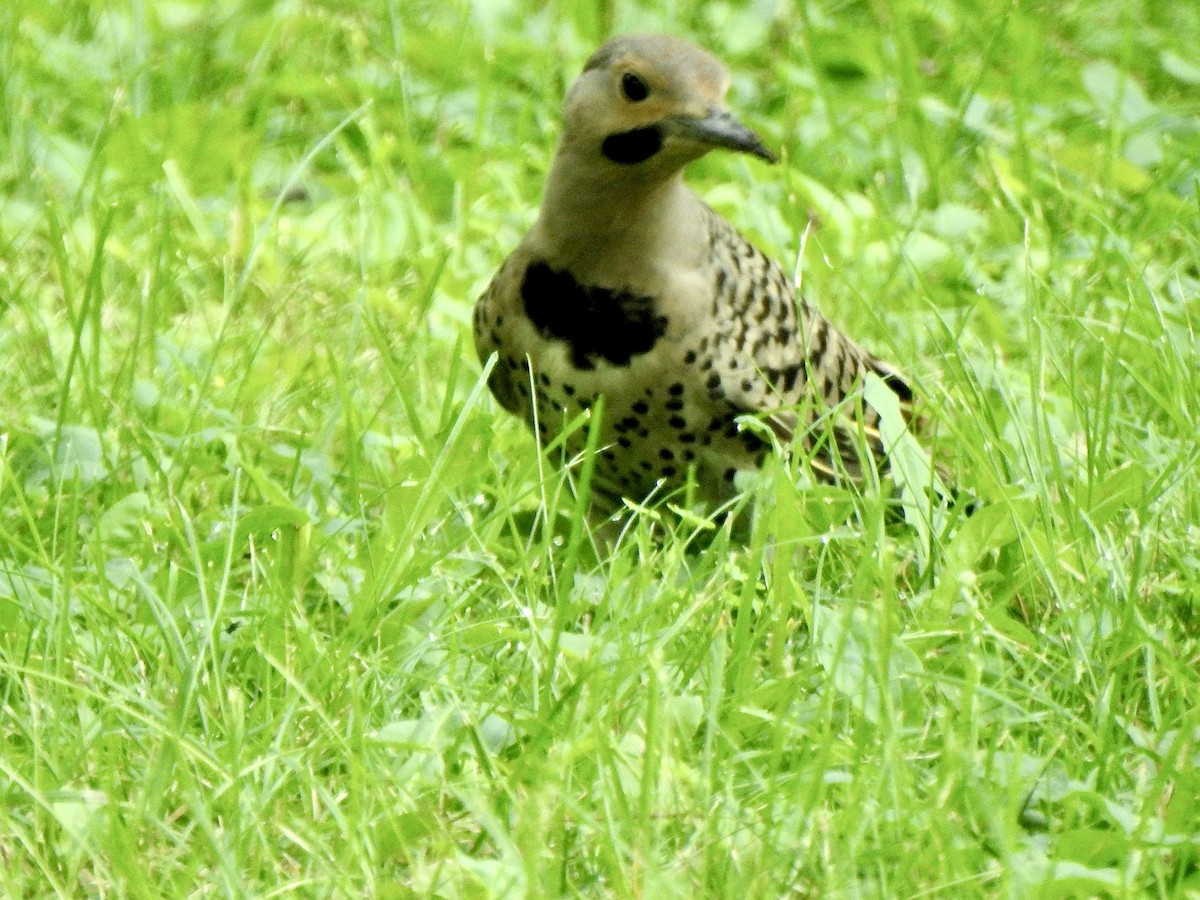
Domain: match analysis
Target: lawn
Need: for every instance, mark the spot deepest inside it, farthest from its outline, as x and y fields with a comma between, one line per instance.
x=290, y=606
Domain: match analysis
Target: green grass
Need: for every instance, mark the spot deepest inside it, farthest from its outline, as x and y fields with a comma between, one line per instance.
x=271, y=618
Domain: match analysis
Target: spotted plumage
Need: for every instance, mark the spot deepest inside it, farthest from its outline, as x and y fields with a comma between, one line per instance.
x=630, y=287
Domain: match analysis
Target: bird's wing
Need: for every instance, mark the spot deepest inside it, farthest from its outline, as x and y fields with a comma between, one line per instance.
x=806, y=379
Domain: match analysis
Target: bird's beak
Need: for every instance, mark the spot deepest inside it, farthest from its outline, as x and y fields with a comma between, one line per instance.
x=719, y=129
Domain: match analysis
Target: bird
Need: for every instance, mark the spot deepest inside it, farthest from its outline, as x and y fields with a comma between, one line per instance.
x=630, y=288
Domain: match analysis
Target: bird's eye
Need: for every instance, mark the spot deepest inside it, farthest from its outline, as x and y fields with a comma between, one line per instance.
x=634, y=88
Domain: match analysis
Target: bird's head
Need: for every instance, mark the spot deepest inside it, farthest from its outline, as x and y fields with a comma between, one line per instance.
x=650, y=104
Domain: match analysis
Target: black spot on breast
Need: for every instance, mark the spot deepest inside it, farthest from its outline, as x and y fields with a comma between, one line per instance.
x=631, y=147
x=641, y=407
x=595, y=322
x=626, y=424
x=500, y=386
x=753, y=443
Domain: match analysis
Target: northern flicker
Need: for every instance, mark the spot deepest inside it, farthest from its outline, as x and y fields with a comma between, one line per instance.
x=631, y=287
